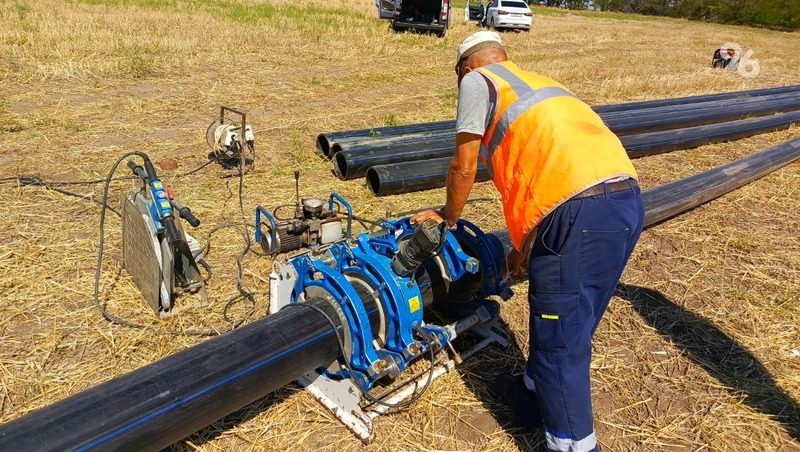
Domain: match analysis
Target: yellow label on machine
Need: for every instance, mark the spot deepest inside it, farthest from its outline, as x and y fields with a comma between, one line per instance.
x=549, y=316
x=413, y=304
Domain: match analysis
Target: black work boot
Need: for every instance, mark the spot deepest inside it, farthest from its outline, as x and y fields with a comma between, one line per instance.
x=521, y=401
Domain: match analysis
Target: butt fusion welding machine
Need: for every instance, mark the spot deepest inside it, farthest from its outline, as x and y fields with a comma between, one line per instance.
x=379, y=284
x=160, y=257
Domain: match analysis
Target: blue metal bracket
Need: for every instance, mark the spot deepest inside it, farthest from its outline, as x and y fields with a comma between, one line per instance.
x=400, y=296
x=367, y=363
x=338, y=198
x=489, y=254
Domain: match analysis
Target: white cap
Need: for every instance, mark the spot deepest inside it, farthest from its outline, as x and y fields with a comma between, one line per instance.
x=476, y=41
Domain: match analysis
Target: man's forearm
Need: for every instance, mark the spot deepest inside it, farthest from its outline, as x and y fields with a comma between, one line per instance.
x=459, y=184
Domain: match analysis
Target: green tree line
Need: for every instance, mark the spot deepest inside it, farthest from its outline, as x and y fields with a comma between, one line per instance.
x=782, y=14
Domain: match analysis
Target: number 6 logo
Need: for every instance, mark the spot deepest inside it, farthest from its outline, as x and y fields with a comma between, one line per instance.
x=747, y=66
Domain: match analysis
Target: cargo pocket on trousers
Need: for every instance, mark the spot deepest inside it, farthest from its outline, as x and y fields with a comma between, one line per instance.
x=554, y=320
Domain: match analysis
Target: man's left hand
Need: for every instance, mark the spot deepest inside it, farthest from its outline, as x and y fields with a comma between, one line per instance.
x=419, y=217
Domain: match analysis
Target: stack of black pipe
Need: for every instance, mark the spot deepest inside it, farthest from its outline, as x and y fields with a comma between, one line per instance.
x=402, y=159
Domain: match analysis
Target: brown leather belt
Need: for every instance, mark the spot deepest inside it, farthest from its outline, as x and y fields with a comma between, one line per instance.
x=612, y=187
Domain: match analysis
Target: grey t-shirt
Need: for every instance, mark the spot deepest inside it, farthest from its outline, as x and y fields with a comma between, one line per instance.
x=474, y=104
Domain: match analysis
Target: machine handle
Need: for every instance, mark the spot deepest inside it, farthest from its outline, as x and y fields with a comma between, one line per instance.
x=172, y=230
x=186, y=214
x=337, y=197
x=260, y=210
x=150, y=169
x=137, y=170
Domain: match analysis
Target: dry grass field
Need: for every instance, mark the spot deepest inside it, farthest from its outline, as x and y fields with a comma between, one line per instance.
x=698, y=351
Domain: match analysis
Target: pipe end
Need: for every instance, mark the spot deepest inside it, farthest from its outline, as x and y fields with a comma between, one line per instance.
x=374, y=181
x=323, y=146
x=340, y=166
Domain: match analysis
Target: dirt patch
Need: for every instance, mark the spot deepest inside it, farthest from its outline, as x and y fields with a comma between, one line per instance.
x=475, y=427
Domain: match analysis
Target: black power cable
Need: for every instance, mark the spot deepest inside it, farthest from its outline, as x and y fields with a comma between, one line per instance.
x=28, y=179
x=25, y=181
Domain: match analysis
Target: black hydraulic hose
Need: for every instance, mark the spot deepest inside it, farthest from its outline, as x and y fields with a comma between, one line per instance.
x=165, y=401
x=666, y=201
x=327, y=141
x=161, y=403
x=405, y=177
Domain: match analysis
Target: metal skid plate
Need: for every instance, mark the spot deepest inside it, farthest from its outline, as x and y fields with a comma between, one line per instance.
x=138, y=255
x=345, y=401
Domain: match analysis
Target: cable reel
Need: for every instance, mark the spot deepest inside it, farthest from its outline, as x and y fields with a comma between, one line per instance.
x=231, y=140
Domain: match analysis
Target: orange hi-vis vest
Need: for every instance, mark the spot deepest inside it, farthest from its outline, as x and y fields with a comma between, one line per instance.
x=543, y=146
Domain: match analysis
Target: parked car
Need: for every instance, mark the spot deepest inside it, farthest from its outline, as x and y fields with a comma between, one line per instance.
x=510, y=14
x=416, y=15
x=474, y=11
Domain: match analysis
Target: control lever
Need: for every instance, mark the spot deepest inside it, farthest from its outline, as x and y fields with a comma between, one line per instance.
x=186, y=214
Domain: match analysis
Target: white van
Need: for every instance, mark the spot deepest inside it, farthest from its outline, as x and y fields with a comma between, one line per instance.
x=416, y=15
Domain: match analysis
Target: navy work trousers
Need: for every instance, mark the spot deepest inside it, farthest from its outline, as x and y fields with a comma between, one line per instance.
x=575, y=263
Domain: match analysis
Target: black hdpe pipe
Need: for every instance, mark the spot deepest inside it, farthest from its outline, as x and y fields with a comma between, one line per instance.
x=354, y=163
x=391, y=141
x=666, y=201
x=645, y=144
x=161, y=403
x=165, y=401
x=396, y=178
x=405, y=177
x=326, y=141
x=654, y=121
x=674, y=116
x=696, y=99
x=353, y=158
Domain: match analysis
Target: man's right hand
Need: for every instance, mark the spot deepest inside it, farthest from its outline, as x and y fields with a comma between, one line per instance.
x=420, y=217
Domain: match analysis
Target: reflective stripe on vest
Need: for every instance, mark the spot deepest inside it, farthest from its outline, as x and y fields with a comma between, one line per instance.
x=523, y=104
x=527, y=98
